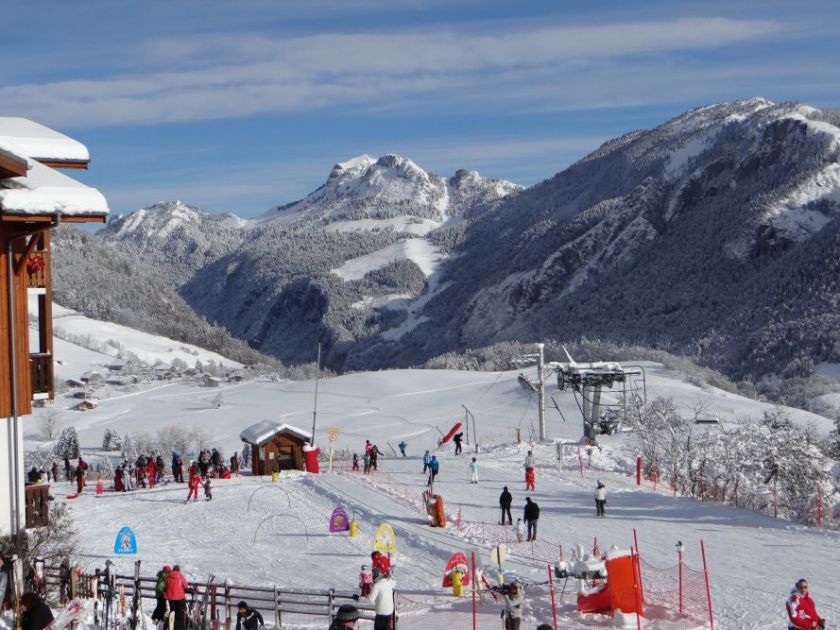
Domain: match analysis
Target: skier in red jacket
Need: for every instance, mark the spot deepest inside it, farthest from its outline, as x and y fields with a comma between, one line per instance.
x=381, y=562
x=802, y=613
x=195, y=481
x=176, y=594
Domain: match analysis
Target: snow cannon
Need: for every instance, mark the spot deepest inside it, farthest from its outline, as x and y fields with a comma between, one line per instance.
x=434, y=509
x=622, y=590
x=310, y=458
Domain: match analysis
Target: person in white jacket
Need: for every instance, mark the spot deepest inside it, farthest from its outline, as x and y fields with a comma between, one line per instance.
x=473, y=471
x=382, y=597
x=600, y=498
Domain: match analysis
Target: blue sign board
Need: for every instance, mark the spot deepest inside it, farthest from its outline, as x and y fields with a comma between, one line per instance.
x=126, y=542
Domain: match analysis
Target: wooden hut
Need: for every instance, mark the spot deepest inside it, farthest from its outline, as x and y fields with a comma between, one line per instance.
x=34, y=198
x=275, y=446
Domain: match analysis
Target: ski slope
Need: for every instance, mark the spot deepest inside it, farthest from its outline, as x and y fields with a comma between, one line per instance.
x=262, y=533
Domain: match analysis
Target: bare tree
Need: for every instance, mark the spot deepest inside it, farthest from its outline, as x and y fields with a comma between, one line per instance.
x=50, y=425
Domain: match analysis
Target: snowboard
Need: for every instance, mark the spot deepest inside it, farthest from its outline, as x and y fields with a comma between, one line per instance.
x=67, y=616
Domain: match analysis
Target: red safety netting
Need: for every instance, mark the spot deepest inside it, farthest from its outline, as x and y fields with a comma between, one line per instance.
x=672, y=593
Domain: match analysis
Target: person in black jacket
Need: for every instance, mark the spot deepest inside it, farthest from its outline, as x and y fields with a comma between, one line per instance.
x=531, y=516
x=505, y=499
x=247, y=618
x=36, y=614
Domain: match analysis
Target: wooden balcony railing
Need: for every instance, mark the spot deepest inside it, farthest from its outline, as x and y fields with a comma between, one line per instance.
x=41, y=370
x=36, y=268
x=37, y=505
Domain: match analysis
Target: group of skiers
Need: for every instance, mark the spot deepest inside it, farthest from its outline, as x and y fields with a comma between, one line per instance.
x=172, y=588
x=371, y=457
x=531, y=515
x=377, y=586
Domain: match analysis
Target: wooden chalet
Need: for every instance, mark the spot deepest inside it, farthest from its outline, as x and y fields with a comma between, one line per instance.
x=275, y=446
x=34, y=198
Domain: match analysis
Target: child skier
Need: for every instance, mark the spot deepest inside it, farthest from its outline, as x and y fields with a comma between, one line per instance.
x=356, y=462
x=208, y=491
x=427, y=459
x=365, y=580
x=529, y=479
x=519, y=528
x=195, y=480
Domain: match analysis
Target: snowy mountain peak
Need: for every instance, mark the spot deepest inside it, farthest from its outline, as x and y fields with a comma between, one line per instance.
x=158, y=219
x=364, y=189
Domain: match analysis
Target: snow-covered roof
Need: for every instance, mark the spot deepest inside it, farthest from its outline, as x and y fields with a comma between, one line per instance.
x=46, y=191
x=267, y=429
x=39, y=142
x=43, y=190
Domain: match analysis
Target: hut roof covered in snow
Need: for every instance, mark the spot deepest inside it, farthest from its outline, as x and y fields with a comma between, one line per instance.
x=264, y=430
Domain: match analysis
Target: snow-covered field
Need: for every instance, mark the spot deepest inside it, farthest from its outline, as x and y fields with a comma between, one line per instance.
x=753, y=559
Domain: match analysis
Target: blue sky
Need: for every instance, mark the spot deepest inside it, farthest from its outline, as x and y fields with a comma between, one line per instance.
x=240, y=106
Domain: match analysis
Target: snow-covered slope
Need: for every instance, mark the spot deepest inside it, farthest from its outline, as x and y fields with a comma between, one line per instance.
x=94, y=342
x=256, y=532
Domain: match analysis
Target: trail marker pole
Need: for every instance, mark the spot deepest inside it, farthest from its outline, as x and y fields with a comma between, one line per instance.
x=474, y=586
x=680, y=551
x=819, y=506
x=639, y=567
x=638, y=471
x=708, y=589
x=553, y=603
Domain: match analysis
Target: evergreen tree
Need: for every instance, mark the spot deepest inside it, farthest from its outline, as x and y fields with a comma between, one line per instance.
x=106, y=440
x=68, y=443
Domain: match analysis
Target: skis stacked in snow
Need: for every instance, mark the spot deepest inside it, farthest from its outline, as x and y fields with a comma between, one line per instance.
x=199, y=616
x=68, y=615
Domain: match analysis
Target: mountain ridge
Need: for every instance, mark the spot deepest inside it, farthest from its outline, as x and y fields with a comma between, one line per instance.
x=688, y=237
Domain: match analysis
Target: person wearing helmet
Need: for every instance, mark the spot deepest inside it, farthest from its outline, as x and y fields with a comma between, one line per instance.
x=247, y=618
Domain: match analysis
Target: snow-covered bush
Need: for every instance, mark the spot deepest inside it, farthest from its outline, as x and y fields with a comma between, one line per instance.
x=771, y=465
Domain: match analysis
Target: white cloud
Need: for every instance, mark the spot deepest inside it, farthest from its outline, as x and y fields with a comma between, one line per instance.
x=242, y=75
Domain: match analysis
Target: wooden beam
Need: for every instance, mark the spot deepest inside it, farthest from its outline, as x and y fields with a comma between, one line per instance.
x=33, y=240
x=6, y=217
x=78, y=164
x=11, y=166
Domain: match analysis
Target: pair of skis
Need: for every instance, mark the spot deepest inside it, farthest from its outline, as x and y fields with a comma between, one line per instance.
x=67, y=616
x=199, y=613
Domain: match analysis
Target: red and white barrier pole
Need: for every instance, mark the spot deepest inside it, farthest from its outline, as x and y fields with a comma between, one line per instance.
x=474, y=587
x=553, y=603
x=708, y=589
x=639, y=568
x=637, y=578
